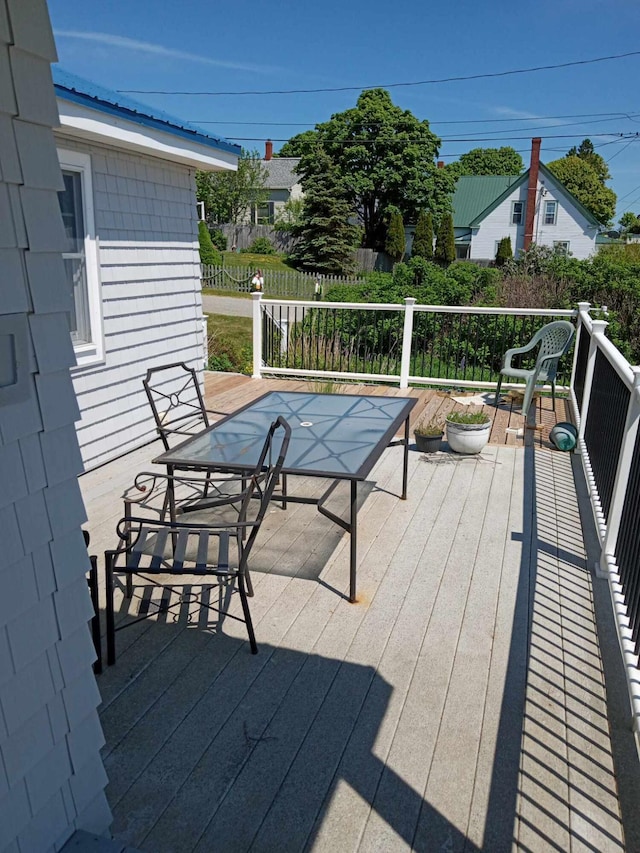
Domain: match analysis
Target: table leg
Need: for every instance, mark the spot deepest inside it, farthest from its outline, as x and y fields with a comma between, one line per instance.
x=405, y=467
x=354, y=540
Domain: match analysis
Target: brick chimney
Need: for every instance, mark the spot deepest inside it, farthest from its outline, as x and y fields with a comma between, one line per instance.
x=268, y=150
x=532, y=191
x=440, y=164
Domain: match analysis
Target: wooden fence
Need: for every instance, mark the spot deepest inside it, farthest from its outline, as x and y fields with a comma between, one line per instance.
x=277, y=283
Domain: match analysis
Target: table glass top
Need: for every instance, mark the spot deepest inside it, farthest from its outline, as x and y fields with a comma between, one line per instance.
x=332, y=434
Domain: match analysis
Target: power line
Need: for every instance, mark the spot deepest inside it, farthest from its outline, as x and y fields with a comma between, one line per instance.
x=393, y=85
x=622, y=114
x=363, y=141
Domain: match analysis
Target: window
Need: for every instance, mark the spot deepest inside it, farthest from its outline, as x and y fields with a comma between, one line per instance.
x=517, y=212
x=561, y=247
x=81, y=257
x=550, y=212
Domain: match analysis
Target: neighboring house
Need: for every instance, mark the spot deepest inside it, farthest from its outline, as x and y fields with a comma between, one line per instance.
x=131, y=254
x=488, y=208
x=282, y=182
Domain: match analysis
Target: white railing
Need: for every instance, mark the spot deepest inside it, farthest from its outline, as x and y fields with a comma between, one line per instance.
x=608, y=524
x=407, y=310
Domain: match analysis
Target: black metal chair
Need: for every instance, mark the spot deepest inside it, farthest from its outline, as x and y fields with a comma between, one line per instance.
x=92, y=582
x=176, y=402
x=203, y=547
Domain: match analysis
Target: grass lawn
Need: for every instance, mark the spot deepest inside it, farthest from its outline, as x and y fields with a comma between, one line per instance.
x=263, y=262
x=230, y=343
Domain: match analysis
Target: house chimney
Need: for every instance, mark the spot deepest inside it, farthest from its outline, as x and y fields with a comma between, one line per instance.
x=532, y=192
x=268, y=150
x=440, y=164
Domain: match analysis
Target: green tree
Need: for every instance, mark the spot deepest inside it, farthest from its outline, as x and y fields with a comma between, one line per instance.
x=630, y=223
x=384, y=156
x=585, y=151
x=445, y=251
x=488, y=161
x=229, y=196
x=208, y=252
x=325, y=238
x=298, y=145
x=583, y=182
x=505, y=252
x=289, y=215
x=395, y=244
x=422, y=246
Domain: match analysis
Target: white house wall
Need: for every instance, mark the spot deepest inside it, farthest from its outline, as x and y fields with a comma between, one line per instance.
x=51, y=776
x=146, y=226
x=571, y=225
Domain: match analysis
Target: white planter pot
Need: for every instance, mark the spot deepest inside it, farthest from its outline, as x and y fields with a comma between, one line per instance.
x=467, y=438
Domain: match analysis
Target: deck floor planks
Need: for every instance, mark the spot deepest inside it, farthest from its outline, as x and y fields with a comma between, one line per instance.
x=368, y=693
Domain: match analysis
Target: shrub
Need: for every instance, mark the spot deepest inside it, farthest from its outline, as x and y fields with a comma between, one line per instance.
x=218, y=239
x=423, y=238
x=261, y=246
x=395, y=244
x=504, y=251
x=208, y=252
x=445, y=251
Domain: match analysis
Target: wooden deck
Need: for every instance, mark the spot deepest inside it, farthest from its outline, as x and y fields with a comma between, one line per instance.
x=458, y=706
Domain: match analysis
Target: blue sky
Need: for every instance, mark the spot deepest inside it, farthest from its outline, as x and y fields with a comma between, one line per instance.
x=249, y=45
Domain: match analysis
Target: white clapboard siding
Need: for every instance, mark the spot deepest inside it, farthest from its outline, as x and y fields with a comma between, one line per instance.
x=146, y=228
x=51, y=775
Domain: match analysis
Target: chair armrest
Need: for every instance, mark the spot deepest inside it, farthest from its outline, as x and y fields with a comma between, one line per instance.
x=506, y=358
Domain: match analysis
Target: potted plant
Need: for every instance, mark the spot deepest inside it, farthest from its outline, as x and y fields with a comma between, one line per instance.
x=468, y=432
x=428, y=435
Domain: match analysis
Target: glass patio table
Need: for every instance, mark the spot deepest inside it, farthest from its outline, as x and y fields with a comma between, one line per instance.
x=338, y=437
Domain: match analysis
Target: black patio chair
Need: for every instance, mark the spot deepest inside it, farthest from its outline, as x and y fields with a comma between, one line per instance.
x=92, y=583
x=190, y=546
x=176, y=402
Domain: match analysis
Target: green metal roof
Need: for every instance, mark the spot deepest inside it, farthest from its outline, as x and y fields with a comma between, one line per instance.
x=474, y=193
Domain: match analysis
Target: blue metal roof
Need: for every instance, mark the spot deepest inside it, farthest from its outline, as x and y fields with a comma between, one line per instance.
x=69, y=87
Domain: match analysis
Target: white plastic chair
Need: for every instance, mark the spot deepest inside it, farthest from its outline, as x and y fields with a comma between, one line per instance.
x=554, y=340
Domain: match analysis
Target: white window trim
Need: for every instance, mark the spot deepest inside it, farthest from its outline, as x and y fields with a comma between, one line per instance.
x=93, y=353
x=544, y=212
x=522, y=214
x=567, y=243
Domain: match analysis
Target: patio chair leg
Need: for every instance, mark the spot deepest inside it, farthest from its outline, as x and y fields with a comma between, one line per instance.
x=95, y=621
x=553, y=395
x=111, y=630
x=495, y=402
x=247, y=614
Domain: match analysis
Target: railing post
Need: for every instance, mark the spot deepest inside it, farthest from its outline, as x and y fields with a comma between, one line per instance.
x=597, y=330
x=257, y=335
x=407, y=334
x=622, y=475
x=582, y=307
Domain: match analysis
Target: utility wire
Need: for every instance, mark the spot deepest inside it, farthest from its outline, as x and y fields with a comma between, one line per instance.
x=395, y=140
x=393, y=85
x=311, y=125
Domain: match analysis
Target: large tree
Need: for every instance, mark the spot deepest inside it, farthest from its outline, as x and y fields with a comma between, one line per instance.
x=384, y=156
x=630, y=223
x=298, y=145
x=229, y=196
x=326, y=237
x=585, y=151
x=488, y=161
x=583, y=182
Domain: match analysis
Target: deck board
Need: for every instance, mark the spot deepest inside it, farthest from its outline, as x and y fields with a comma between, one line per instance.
x=458, y=705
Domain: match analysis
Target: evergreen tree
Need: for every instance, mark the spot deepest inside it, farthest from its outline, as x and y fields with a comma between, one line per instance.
x=445, y=252
x=208, y=252
x=505, y=252
x=326, y=238
x=423, y=238
x=396, y=242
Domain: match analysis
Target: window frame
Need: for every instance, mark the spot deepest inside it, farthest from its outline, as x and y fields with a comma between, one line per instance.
x=513, y=213
x=567, y=247
x=88, y=353
x=545, y=215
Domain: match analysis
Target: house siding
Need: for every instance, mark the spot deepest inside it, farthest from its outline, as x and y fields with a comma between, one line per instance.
x=149, y=263
x=571, y=225
x=51, y=775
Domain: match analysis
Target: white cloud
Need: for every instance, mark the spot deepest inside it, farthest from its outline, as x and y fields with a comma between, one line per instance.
x=157, y=49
